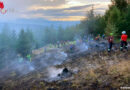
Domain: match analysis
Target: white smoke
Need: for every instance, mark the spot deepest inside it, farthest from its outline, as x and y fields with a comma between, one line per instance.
x=53, y=72
x=17, y=68
x=83, y=47
x=51, y=58
x=24, y=67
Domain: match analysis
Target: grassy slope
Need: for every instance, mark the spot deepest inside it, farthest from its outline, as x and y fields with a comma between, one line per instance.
x=100, y=70
x=110, y=72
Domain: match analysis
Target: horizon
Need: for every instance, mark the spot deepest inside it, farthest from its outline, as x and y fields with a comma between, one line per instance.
x=52, y=10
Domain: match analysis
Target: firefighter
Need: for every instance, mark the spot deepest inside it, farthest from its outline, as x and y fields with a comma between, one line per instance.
x=98, y=37
x=110, y=41
x=29, y=57
x=58, y=44
x=124, y=41
x=72, y=48
x=103, y=36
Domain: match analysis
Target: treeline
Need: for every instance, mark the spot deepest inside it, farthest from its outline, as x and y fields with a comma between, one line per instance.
x=11, y=41
x=25, y=41
x=115, y=20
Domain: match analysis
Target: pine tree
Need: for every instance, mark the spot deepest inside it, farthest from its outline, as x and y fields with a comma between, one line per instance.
x=4, y=38
x=13, y=40
x=23, y=44
x=120, y=4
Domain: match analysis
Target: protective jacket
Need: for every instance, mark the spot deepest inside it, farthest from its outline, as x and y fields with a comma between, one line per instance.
x=124, y=37
x=110, y=39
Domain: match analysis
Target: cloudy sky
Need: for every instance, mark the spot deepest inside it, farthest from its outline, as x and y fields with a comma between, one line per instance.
x=54, y=10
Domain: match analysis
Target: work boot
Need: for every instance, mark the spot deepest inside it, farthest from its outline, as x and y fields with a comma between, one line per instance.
x=126, y=47
x=121, y=48
x=109, y=50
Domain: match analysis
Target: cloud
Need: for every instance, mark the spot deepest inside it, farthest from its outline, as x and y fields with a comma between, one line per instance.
x=53, y=9
x=68, y=18
x=24, y=4
x=89, y=1
x=70, y=13
x=79, y=7
x=62, y=12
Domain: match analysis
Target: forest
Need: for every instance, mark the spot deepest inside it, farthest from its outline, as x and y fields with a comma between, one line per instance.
x=115, y=20
x=69, y=58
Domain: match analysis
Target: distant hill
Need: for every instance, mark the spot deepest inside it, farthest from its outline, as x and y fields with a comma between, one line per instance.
x=35, y=24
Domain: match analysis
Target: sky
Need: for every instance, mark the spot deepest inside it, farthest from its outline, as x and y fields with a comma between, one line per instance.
x=53, y=10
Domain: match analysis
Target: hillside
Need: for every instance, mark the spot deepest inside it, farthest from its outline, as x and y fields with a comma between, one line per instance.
x=97, y=70
x=34, y=24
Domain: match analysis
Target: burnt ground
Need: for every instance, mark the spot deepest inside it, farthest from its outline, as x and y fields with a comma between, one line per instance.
x=91, y=71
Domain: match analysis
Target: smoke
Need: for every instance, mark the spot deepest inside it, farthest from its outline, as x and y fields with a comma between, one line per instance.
x=19, y=68
x=23, y=66
x=83, y=47
x=50, y=58
x=53, y=72
x=47, y=60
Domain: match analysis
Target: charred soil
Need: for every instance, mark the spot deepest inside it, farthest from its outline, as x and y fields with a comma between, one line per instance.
x=99, y=70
